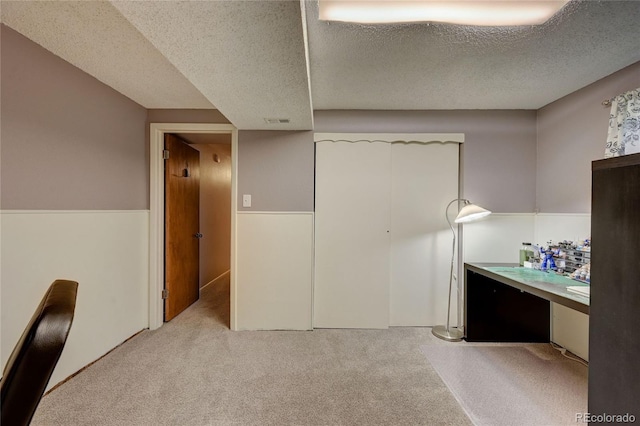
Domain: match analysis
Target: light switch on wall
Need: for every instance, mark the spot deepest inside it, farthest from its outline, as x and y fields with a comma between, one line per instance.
x=246, y=200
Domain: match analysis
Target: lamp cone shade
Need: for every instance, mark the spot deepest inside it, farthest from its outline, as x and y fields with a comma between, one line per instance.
x=471, y=212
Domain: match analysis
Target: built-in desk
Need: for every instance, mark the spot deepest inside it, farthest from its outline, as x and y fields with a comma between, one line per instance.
x=507, y=303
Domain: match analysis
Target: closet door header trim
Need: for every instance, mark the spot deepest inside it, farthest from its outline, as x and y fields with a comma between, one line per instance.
x=390, y=137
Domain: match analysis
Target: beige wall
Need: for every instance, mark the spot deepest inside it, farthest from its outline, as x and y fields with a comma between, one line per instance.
x=186, y=116
x=215, y=211
x=572, y=132
x=69, y=142
x=497, y=158
x=277, y=169
x=74, y=157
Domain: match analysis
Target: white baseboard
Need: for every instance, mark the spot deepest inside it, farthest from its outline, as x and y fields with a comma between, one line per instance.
x=217, y=279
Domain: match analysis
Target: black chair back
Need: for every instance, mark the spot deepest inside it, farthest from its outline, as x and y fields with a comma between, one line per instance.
x=36, y=354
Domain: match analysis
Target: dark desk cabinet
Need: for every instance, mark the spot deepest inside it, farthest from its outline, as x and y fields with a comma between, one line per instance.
x=497, y=312
x=614, y=338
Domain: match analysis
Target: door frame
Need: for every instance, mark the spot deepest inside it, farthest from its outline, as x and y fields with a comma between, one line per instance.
x=156, y=212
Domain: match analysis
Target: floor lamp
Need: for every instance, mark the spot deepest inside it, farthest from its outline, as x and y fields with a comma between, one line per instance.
x=468, y=213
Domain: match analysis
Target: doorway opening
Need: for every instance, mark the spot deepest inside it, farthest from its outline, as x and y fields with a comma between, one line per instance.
x=197, y=134
x=210, y=206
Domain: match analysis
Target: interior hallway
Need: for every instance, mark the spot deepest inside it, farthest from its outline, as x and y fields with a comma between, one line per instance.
x=195, y=371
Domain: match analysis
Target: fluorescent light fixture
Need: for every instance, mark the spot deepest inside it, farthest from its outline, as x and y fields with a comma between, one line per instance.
x=464, y=12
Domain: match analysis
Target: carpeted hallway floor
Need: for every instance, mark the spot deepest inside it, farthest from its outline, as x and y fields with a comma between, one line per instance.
x=195, y=371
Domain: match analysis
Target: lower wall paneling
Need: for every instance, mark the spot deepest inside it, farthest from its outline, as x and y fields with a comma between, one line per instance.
x=107, y=252
x=274, y=277
x=561, y=226
x=570, y=329
x=497, y=238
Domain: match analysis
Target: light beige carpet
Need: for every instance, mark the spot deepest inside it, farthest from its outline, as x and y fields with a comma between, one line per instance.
x=509, y=385
x=195, y=371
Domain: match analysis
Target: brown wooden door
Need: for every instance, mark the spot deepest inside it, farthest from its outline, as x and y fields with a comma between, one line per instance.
x=182, y=220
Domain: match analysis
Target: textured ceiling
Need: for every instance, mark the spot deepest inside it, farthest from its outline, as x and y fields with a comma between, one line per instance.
x=249, y=58
x=440, y=66
x=246, y=57
x=94, y=37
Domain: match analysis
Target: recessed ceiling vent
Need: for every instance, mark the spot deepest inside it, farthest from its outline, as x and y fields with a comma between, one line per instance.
x=276, y=120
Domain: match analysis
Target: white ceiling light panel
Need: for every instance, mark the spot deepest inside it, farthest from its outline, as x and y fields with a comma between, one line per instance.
x=465, y=12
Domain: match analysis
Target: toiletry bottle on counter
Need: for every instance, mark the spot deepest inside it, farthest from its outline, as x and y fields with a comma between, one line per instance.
x=526, y=251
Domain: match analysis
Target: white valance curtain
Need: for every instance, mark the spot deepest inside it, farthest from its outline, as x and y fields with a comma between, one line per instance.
x=623, y=136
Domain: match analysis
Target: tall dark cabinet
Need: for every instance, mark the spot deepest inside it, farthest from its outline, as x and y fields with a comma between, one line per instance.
x=614, y=321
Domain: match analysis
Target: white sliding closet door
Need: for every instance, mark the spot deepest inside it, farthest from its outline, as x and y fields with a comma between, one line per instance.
x=382, y=242
x=353, y=187
x=424, y=180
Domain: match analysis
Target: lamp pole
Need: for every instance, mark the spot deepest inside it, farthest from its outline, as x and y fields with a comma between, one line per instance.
x=445, y=332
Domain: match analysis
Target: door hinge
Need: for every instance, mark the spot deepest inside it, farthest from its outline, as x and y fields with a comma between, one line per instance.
x=165, y=154
x=165, y=294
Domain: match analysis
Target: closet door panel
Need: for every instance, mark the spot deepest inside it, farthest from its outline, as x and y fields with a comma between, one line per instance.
x=424, y=180
x=352, y=222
